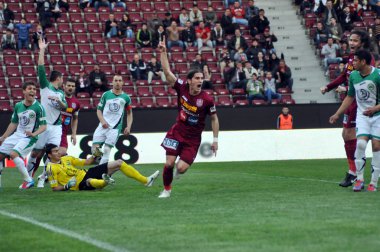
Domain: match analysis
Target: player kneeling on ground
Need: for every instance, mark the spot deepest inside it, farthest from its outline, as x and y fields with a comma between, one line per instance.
x=63, y=174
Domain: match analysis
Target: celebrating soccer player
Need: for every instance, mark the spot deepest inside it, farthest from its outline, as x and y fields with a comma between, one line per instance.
x=28, y=120
x=64, y=175
x=358, y=39
x=364, y=84
x=184, y=138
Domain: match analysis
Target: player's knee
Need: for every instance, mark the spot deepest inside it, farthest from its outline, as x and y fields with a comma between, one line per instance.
x=376, y=160
x=181, y=169
x=361, y=144
x=119, y=162
x=106, y=150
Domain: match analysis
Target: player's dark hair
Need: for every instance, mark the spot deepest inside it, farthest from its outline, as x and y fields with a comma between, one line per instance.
x=70, y=80
x=49, y=147
x=54, y=75
x=27, y=84
x=364, y=55
x=364, y=38
x=192, y=72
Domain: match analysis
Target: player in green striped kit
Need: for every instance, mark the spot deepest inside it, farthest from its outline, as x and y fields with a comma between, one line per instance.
x=110, y=112
x=364, y=84
x=53, y=101
x=27, y=122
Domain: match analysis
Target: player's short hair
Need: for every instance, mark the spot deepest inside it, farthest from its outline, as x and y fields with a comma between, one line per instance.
x=364, y=37
x=49, y=147
x=27, y=84
x=364, y=55
x=54, y=75
x=70, y=80
x=192, y=72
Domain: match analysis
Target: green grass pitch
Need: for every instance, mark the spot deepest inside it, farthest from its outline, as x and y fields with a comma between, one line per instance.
x=239, y=206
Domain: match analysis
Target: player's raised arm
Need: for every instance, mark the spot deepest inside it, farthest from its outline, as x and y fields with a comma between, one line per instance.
x=170, y=77
x=41, y=64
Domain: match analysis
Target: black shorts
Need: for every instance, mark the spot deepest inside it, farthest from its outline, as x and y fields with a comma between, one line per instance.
x=95, y=172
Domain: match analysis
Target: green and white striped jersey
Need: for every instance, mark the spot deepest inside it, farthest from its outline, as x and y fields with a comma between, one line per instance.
x=113, y=107
x=28, y=118
x=52, y=108
x=366, y=89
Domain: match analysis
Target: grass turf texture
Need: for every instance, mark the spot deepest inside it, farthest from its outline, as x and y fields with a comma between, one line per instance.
x=240, y=206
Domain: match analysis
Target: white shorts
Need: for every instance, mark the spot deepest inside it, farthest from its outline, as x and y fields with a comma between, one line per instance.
x=21, y=144
x=52, y=135
x=368, y=126
x=105, y=136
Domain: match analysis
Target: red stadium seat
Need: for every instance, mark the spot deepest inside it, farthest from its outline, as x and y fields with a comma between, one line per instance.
x=177, y=57
x=163, y=102
x=160, y=7
x=90, y=18
x=88, y=59
x=84, y=49
x=70, y=49
x=52, y=38
x=55, y=49
x=85, y=104
x=224, y=100
x=75, y=17
x=72, y=59
x=74, y=69
x=175, y=6
x=143, y=91
x=67, y=39
x=94, y=28
x=29, y=71
x=159, y=90
x=222, y=91
x=142, y=83
x=103, y=59
x=10, y=60
x=103, y=17
x=118, y=59
x=147, y=7
x=115, y=48
x=3, y=84
x=13, y=71
x=238, y=91
x=133, y=7
x=147, y=56
x=241, y=102
x=25, y=60
x=129, y=90
x=121, y=69
x=258, y=102
x=4, y=95
x=64, y=28
x=83, y=95
x=181, y=68
x=100, y=48
x=79, y=28
x=5, y=106
x=31, y=17
x=28, y=8
x=107, y=69
x=135, y=17
x=15, y=82
x=62, y=69
x=17, y=94
x=147, y=102
x=57, y=60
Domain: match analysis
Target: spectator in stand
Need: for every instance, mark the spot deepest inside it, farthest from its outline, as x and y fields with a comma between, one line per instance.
x=253, y=50
x=45, y=14
x=23, y=34
x=154, y=70
x=240, y=55
x=374, y=44
x=238, y=14
x=125, y=27
x=284, y=76
x=98, y=80
x=251, y=10
x=111, y=27
x=210, y=17
x=344, y=51
x=158, y=36
x=306, y=6
x=203, y=34
x=260, y=63
x=168, y=20
x=227, y=3
x=82, y=83
x=329, y=13
x=183, y=17
x=338, y=7
x=236, y=42
x=235, y=77
x=8, y=40
x=83, y=4
x=7, y=17
x=226, y=22
x=225, y=60
x=274, y=61
x=335, y=30
x=321, y=34
x=101, y=3
x=257, y=24
x=218, y=36
x=137, y=68
x=173, y=32
x=196, y=15
x=255, y=89
x=330, y=51
x=55, y=9
x=198, y=62
x=270, y=88
x=347, y=19
x=118, y=3
x=267, y=41
x=37, y=35
x=207, y=75
x=375, y=5
x=144, y=37
x=249, y=70
x=188, y=35
x=339, y=69
x=376, y=28
x=154, y=22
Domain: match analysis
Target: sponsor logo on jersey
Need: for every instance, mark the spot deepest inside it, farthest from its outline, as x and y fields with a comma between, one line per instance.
x=24, y=120
x=180, y=81
x=114, y=107
x=363, y=94
x=74, y=105
x=55, y=104
x=213, y=109
x=371, y=87
x=199, y=102
x=192, y=120
x=170, y=143
x=32, y=115
x=188, y=106
x=70, y=110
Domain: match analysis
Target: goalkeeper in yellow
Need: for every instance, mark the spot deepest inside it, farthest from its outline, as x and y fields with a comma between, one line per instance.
x=64, y=175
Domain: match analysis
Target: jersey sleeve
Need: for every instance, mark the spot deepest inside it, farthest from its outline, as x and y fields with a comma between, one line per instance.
x=52, y=174
x=44, y=83
x=178, y=84
x=77, y=161
x=351, y=89
x=14, y=118
x=128, y=103
x=41, y=115
x=102, y=102
x=211, y=108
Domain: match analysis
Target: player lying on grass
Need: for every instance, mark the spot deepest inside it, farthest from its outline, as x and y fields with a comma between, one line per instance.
x=64, y=175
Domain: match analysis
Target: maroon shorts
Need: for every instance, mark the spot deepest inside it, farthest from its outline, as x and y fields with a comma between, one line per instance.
x=349, y=117
x=64, y=143
x=185, y=148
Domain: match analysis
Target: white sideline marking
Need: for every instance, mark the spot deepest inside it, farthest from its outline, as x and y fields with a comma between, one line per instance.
x=89, y=240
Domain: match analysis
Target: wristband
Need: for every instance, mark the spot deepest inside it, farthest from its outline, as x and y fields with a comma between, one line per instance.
x=215, y=139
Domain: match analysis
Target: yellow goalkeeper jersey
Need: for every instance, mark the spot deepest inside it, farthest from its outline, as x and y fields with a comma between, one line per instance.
x=61, y=173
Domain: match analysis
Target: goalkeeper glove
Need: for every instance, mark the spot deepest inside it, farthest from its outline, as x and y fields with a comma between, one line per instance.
x=97, y=154
x=70, y=183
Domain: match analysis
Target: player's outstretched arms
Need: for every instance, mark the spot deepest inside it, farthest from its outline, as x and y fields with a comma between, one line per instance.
x=170, y=77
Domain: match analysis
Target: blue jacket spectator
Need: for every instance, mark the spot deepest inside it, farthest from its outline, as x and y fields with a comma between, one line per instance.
x=23, y=34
